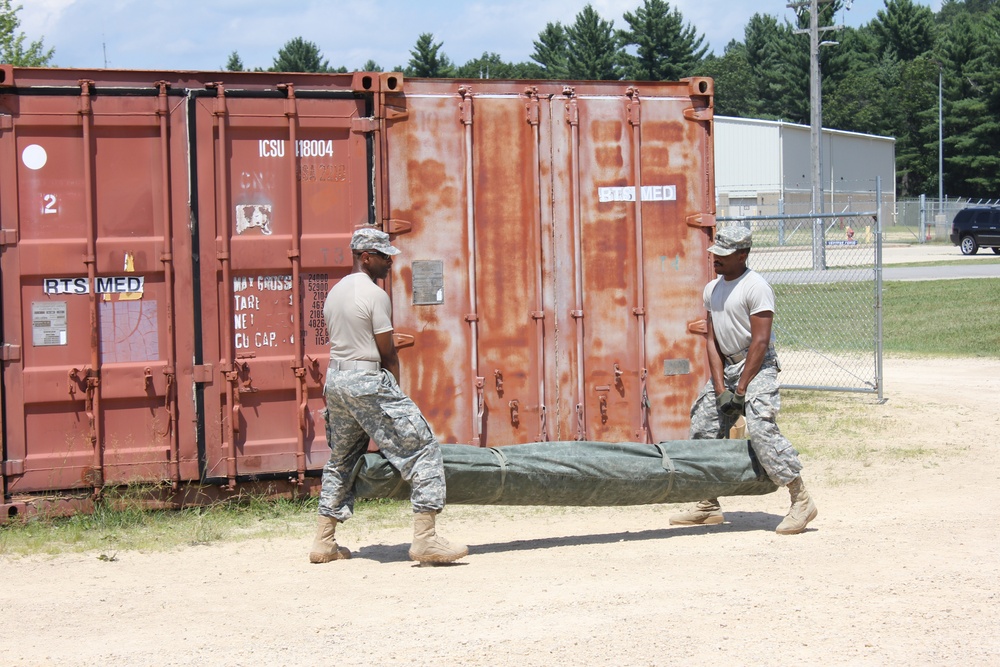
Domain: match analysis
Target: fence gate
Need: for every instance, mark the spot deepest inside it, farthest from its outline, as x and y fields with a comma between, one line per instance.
x=826, y=271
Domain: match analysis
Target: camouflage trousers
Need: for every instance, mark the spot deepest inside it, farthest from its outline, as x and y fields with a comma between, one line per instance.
x=763, y=401
x=363, y=405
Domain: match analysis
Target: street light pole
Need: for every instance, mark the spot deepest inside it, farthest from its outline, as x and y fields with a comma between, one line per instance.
x=940, y=145
x=816, y=122
x=816, y=134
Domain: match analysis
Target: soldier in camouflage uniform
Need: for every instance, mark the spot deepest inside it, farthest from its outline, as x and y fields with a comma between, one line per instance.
x=744, y=378
x=364, y=401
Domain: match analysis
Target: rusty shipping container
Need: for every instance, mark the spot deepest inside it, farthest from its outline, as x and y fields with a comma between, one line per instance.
x=168, y=239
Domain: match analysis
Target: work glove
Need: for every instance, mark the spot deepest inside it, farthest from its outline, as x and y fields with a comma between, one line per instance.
x=734, y=404
x=722, y=400
x=738, y=404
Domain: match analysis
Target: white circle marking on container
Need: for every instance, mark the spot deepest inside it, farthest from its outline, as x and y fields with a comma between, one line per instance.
x=34, y=157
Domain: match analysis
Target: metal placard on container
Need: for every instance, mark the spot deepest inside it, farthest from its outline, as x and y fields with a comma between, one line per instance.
x=428, y=282
x=48, y=323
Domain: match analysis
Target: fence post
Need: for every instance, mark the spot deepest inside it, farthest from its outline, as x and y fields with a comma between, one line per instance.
x=923, y=218
x=878, y=289
x=781, y=221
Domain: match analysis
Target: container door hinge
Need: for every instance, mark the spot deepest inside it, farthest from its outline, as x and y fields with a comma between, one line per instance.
x=6, y=122
x=8, y=237
x=701, y=220
x=11, y=352
x=363, y=125
x=395, y=113
x=397, y=226
x=13, y=467
x=403, y=340
x=700, y=113
x=203, y=373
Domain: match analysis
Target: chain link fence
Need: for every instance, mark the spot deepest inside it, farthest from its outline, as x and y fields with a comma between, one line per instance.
x=826, y=271
x=927, y=220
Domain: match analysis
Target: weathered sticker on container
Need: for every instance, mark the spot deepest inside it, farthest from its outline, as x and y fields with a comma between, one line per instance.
x=253, y=216
x=129, y=331
x=646, y=193
x=48, y=323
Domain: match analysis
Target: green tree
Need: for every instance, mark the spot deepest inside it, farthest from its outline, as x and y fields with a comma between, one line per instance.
x=492, y=66
x=594, y=50
x=969, y=52
x=666, y=49
x=300, y=55
x=426, y=59
x=235, y=63
x=371, y=66
x=552, y=51
x=13, y=49
x=735, y=90
x=903, y=29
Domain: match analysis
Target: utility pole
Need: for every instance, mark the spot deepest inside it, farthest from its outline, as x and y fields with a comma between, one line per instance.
x=816, y=121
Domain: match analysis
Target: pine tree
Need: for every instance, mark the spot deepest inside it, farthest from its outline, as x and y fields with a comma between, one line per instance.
x=904, y=30
x=13, y=50
x=969, y=51
x=371, y=66
x=426, y=60
x=594, y=50
x=299, y=55
x=487, y=66
x=552, y=51
x=735, y=89
x=234, y=64
x=667, y=50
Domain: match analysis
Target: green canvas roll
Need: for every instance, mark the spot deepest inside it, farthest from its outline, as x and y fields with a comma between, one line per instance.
x=582, y=473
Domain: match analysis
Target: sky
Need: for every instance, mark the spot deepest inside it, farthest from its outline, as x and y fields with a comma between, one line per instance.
x=200, y=34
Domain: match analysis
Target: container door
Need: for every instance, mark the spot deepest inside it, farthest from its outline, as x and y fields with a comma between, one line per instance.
x=90, y=352
x=283, y=179
x=464, y=187
x=543, y=295
x=634, y=197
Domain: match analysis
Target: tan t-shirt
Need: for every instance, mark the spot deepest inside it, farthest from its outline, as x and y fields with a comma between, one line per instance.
x=731, y=303
x=355, y=310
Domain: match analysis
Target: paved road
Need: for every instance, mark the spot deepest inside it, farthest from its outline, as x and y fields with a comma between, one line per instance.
x=944, y=262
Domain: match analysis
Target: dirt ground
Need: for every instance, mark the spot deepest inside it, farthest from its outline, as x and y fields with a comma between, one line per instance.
x=902, y=567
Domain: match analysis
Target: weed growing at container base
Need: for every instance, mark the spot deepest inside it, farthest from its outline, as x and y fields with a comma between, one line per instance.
x=121, y=523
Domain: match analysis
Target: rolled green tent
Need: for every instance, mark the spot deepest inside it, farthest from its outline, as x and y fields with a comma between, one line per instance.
x=582, y=473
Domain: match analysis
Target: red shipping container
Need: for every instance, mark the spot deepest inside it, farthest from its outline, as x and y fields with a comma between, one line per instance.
x=168, y=239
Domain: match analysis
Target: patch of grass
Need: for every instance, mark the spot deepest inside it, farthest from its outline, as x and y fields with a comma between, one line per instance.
x=951, y=318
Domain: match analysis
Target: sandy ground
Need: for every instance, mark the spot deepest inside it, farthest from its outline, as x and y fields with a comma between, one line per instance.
x=902, y=567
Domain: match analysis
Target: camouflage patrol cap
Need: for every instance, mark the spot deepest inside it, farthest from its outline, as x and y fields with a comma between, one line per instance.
x=370, y=238
x=730, y=239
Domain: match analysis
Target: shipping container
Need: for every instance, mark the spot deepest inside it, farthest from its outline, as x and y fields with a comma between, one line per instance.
x=168, y=239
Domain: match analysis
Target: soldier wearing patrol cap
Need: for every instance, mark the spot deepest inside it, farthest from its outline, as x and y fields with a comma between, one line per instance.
x=364, y=401
x=744, y=378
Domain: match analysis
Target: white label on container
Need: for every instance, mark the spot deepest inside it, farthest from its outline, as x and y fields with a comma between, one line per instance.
x=646, y=192
x=120, y=285
x=66, y=285
x=105, y=285
x=34, y=157
x=48, y=323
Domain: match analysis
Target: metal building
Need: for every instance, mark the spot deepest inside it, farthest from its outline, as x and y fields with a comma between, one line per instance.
x=763, y=168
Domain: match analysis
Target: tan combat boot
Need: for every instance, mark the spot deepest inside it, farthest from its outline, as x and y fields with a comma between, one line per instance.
x=706, y=513
x=802, y=511
x=428, y=546
x=324, y=548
